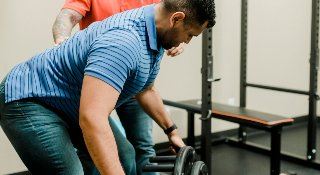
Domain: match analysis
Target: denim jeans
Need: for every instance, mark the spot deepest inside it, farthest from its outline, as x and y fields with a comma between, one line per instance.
x=46, y=141
x=138, y=127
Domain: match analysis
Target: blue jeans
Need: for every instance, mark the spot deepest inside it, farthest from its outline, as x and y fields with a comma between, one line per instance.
x=45, y=140
x=138, y=127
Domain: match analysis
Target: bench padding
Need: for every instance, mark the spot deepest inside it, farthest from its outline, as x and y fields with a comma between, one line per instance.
x=234, y=114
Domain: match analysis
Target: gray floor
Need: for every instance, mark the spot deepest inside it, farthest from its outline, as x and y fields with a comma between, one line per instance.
x=229, y=160
x=294, y=140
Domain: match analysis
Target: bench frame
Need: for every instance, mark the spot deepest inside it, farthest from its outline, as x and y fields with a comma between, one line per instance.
x=274, y=130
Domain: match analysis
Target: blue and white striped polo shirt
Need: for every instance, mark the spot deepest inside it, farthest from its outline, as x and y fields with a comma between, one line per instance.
x=121, y=50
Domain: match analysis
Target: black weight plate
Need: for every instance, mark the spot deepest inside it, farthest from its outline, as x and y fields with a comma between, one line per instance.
x=184, y=161
x=190, y=161
x=199, y=168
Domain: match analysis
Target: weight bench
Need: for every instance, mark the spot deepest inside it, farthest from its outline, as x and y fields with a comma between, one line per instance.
x=244, y=117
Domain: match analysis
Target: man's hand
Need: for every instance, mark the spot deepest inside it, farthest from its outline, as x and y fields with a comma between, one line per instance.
x=175, y=141
x=175, y=50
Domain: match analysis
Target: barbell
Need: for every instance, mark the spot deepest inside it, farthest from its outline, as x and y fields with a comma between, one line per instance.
x=184, y=163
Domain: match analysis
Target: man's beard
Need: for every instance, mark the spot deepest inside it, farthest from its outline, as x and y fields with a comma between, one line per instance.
x=167, y=39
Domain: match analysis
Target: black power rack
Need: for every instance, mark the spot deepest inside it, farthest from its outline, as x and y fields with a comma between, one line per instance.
x=207, y=79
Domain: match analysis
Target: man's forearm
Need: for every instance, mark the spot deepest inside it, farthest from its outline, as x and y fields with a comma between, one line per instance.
x=152, y=103
x=102, y=147
x=64, y=24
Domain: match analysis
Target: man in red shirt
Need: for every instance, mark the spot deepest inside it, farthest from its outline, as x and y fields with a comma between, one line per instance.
x=137, y=123
x=86, y=12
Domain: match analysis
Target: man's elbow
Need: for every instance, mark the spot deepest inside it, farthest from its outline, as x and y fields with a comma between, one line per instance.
x=91, y=116
x=84, y=121
x=89, y=120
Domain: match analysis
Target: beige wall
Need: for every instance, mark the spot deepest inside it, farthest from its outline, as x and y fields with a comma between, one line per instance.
x=278, y=54
x=25, y=29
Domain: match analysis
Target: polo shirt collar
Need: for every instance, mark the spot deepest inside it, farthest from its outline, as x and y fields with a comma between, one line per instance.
x=151, y=27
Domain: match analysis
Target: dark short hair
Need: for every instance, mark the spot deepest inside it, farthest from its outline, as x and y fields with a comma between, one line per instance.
x=198, y=11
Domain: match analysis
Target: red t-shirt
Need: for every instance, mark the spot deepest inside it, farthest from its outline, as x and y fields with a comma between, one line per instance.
x=97, y=10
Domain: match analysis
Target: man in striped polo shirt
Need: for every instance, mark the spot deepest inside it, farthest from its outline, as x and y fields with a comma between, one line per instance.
x=59, y=99
x=137, y=124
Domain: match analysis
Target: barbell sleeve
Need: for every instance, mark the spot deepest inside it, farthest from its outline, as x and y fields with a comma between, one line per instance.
x=159, y=159
x=158, y=168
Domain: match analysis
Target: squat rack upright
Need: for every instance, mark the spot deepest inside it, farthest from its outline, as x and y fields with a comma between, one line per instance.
x=207, y=79
x=313, y=77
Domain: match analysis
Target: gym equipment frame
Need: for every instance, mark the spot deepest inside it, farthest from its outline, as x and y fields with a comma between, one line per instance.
x=312, y=92
x=206, y=105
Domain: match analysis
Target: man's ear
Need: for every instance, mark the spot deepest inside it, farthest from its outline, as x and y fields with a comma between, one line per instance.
x=176, y=18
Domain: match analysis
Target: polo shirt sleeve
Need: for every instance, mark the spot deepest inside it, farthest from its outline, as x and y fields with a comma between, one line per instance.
x=113, y=57
x=81, y=6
